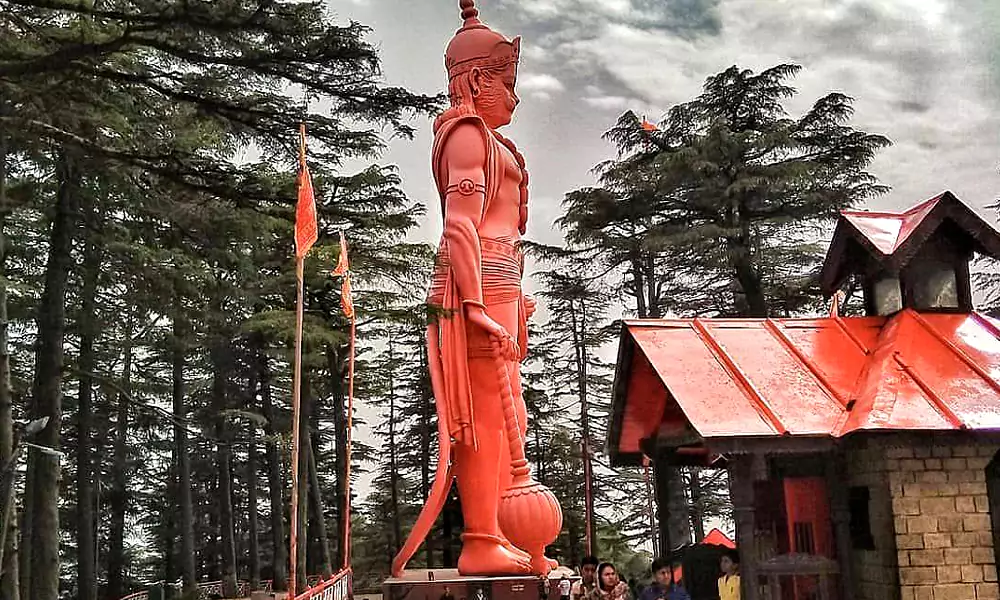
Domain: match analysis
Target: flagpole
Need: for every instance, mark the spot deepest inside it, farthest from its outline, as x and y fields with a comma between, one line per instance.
x=350, y=418
x=296, y=395
x=347, y=303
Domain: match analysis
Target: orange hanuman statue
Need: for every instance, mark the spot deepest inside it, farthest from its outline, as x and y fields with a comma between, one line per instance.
x=476, y=345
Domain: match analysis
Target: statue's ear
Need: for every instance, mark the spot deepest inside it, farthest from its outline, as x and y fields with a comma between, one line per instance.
x=476, y=81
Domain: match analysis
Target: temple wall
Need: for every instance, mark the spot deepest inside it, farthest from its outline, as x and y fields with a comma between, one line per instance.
x=943, y=534
x=875, y=570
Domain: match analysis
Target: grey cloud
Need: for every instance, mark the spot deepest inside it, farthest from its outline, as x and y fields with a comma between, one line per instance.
x=686, y=18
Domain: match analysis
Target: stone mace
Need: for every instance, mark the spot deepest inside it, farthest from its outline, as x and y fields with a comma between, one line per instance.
x=529, y=513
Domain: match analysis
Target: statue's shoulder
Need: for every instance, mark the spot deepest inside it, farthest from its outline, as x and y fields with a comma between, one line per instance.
x=461, y=131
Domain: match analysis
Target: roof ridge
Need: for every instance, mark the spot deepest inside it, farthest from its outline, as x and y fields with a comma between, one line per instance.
x=871, y=378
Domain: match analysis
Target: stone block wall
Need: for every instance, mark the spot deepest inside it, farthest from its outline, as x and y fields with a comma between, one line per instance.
x=943, y=532
x=875, y=571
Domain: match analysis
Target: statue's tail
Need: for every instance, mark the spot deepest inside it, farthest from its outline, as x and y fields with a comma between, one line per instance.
x=442, y=476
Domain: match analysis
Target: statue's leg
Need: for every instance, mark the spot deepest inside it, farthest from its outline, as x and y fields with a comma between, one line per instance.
x=478, y=474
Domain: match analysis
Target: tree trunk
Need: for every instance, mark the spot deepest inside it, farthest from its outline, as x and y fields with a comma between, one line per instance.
x=579, y=324
x=638, y=285
x=335, y=365
x=318, y=511
x=697, y=515
x=47, y=385
x=254, y=541
x=275, y=482
x=213, y=548
x=397, y=526
x=88, y=328
x=745, y=272
x=168, y=516
x=118, y=498
x=189, y=574
x=8, y=580
x=223, y=457
x=28, y=502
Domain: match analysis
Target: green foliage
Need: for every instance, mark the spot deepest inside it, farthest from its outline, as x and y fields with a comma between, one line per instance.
x=720, y=210
x=180, y=120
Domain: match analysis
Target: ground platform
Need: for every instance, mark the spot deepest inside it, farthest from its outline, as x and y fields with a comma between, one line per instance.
x=448, y=584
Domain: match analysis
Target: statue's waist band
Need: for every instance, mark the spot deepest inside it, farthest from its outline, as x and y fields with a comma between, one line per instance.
x=501, y=269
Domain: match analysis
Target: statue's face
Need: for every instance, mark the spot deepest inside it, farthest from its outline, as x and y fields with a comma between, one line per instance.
x=494, y=95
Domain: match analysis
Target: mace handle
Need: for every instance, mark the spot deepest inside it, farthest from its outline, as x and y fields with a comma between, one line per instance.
x=518, y=463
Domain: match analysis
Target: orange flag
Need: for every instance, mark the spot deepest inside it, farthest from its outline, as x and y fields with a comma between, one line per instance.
x=343, y=269
x=346, y=302
x=343, y=266
x=306, y=228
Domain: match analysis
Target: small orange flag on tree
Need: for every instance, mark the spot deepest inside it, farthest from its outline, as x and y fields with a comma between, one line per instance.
x=343, y=266
x=306, y=228
x=343, y=269
x=346, y=302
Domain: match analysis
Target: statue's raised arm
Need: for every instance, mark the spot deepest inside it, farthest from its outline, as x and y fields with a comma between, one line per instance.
x=476, y=344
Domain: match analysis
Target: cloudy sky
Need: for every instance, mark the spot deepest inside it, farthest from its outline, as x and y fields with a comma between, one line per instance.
x=925, y=73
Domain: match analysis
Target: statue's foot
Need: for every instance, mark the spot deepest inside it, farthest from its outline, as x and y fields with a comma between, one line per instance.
x=514, y=549
x=484, y=554
x=553, y=563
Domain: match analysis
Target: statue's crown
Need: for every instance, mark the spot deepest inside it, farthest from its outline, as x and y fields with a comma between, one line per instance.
x=476, y=45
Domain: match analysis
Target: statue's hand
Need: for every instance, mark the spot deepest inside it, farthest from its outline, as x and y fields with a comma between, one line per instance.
x=529, y=306
x=503, y=342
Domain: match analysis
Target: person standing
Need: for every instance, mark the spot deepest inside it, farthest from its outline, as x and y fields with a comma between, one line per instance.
x=588, y=577
x=729, y=583
x=664, y=587
x=609, y=586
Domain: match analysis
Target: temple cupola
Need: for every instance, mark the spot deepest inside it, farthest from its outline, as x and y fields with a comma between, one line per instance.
x=916, y=259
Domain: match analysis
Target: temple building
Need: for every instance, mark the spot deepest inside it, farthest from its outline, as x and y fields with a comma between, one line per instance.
x=861, y=450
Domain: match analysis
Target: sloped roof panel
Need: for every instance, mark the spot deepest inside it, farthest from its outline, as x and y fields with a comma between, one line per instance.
x=828, y=377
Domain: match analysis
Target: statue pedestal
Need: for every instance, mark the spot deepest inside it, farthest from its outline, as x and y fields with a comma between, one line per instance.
x=447, y=584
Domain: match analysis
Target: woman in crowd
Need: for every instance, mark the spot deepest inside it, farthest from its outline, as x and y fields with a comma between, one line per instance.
x=609, y=586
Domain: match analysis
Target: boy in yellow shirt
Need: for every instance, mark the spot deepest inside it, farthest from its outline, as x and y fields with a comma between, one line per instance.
x=729, y=583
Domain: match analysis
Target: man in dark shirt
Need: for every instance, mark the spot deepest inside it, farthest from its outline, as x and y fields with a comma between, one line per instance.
x=588, y=577
x=664, y=587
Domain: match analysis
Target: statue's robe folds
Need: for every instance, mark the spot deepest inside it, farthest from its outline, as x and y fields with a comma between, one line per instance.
x=456, y=397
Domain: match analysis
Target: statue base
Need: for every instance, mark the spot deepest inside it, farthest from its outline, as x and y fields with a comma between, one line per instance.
x=447, y=584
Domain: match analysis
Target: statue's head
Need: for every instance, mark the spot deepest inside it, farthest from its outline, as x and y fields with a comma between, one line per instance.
x=482, y=70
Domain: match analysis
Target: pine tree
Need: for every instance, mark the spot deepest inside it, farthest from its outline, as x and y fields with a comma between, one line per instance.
x=727, y=194
x=577, y=308
x=140, y=112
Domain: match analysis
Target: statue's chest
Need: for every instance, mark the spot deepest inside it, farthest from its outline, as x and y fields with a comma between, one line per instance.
x=512, y=174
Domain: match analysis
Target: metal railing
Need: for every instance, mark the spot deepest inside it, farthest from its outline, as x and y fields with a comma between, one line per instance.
x=337, y=587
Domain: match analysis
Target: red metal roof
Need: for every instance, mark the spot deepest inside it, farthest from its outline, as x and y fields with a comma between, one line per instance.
x=892, y=239
x=718, y=538
x=888, y=231
x=730, y=378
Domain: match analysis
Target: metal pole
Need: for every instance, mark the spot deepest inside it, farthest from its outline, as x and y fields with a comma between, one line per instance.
x=296, y=401
x=350, y=419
